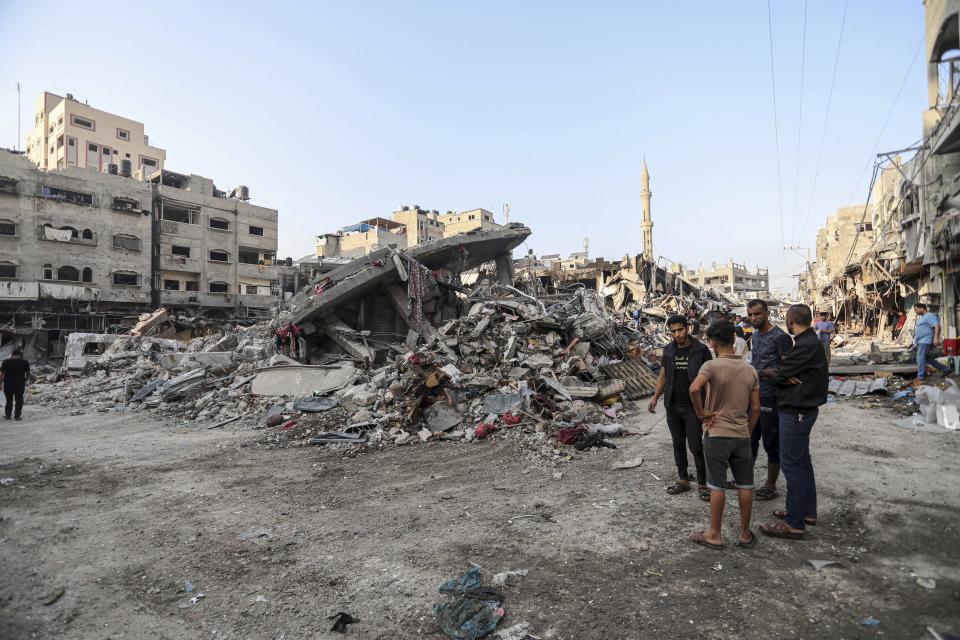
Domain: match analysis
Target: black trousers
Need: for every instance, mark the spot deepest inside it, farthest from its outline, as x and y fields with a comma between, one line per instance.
x=14, y=395
x=686, y=431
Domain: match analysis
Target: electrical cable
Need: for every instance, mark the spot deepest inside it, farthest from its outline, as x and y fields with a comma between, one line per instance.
x=776, y=126
x=826, y=119
x=796, y=179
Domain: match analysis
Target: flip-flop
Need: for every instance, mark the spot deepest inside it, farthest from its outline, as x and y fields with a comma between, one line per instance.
x=704, y=494
x=781, y=530
x=748, y=545
x=763, y=494
x=781, y=514
x=678, y=489
x=699, y=539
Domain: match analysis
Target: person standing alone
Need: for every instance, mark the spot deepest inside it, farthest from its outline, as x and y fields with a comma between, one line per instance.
x=925, y=336
x=825, y=329
x=801, y=384
x=767, y=348
x=679, y=366
x=13, y=374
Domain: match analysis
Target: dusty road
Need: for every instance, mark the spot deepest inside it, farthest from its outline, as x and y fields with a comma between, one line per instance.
x=117, y=514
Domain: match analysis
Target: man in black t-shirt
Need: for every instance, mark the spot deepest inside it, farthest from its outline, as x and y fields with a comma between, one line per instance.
x=679, y=366
x=13, y=374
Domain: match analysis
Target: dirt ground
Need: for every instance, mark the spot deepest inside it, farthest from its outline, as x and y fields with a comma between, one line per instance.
x=115, y=514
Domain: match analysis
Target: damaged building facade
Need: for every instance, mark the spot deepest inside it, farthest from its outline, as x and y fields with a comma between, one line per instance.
x=905, y=243
x=83, y=251
x=409, y=226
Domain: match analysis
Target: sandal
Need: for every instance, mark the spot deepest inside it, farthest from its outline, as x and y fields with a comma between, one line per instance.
x=782, y=515
x=748, y=545
x=699, y=539
x=678, y=488
x=704, y=494
x=781, y=530
x=763, y=494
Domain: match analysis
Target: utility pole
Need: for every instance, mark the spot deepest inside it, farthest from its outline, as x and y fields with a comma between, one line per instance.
x=17, y=146
x=806, y=257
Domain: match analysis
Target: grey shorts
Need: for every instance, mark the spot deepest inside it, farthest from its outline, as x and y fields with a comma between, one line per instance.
x=723, y=453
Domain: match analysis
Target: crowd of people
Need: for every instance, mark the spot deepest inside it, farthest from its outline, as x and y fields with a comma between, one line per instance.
x=754, y=384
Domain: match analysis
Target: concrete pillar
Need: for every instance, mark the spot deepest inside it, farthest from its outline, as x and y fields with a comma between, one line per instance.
x=504, y=264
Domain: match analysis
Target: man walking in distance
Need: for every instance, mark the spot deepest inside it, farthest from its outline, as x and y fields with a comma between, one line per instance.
x=679, y=366
x=13, y=374
x=926, y=334
x=801, y=385
x=730, y=414
x=767, y=347
x=825, y=329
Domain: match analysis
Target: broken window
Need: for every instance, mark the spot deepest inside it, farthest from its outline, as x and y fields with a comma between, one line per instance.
x=179, y=214
x=87, y=275
x=171, y=285
x=8, y=185
x=192, y=285
x=251, y=289
x=180, y=251
x=65, y=195
x=87, y=234
x=864, y=226
x=216, y=255
x=48, y=272
x=123, y=134
x=8, y=228
x=219, y=223
x=148, y=163
x=219, y=287
x=126, y=278
x=83, y=123
x=125, y=241
x=248, y=256
x=8, y=271
x=256, y=231
x=68, y=274
x=126, y=204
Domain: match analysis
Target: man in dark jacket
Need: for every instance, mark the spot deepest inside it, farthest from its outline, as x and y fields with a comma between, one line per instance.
x=801, y=385
x=679, y=367
x=13, y=374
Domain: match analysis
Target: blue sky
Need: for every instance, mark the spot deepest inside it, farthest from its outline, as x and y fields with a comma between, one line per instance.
x=341, y=111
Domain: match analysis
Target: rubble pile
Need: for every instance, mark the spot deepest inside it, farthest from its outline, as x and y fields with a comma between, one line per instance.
x=511, y=363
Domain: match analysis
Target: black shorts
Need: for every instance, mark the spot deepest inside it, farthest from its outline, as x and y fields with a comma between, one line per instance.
x=723, y=453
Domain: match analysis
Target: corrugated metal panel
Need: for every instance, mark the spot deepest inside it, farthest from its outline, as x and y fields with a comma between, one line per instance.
x=640, y=381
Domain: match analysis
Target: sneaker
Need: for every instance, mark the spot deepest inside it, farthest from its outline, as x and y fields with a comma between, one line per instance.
x=6, y=417
x=17, y=418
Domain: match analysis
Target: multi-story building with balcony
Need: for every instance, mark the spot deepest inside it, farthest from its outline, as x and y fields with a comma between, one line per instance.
x=214, y=253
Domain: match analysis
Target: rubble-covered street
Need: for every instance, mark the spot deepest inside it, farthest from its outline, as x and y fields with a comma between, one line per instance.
x=115, y=521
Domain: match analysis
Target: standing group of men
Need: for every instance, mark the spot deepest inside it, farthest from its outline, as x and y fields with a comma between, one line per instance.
x=722, y=409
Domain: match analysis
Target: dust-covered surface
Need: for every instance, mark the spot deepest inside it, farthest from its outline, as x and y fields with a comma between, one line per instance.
x=115, y=514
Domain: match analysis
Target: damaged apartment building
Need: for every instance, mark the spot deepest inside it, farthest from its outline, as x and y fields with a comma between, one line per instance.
x=408, y=227
x=902, y=247
x=90, y=247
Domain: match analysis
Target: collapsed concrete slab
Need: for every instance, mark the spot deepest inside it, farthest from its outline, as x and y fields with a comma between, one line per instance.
x=302, y=380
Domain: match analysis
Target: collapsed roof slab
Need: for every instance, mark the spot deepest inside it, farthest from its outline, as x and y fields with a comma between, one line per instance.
x=456, y=253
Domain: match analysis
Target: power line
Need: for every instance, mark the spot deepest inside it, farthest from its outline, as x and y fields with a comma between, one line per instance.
x=826, y=119
x=776, y=127
x=796, y=180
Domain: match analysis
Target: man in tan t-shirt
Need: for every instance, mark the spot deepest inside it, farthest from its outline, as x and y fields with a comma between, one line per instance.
x=729, y=415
